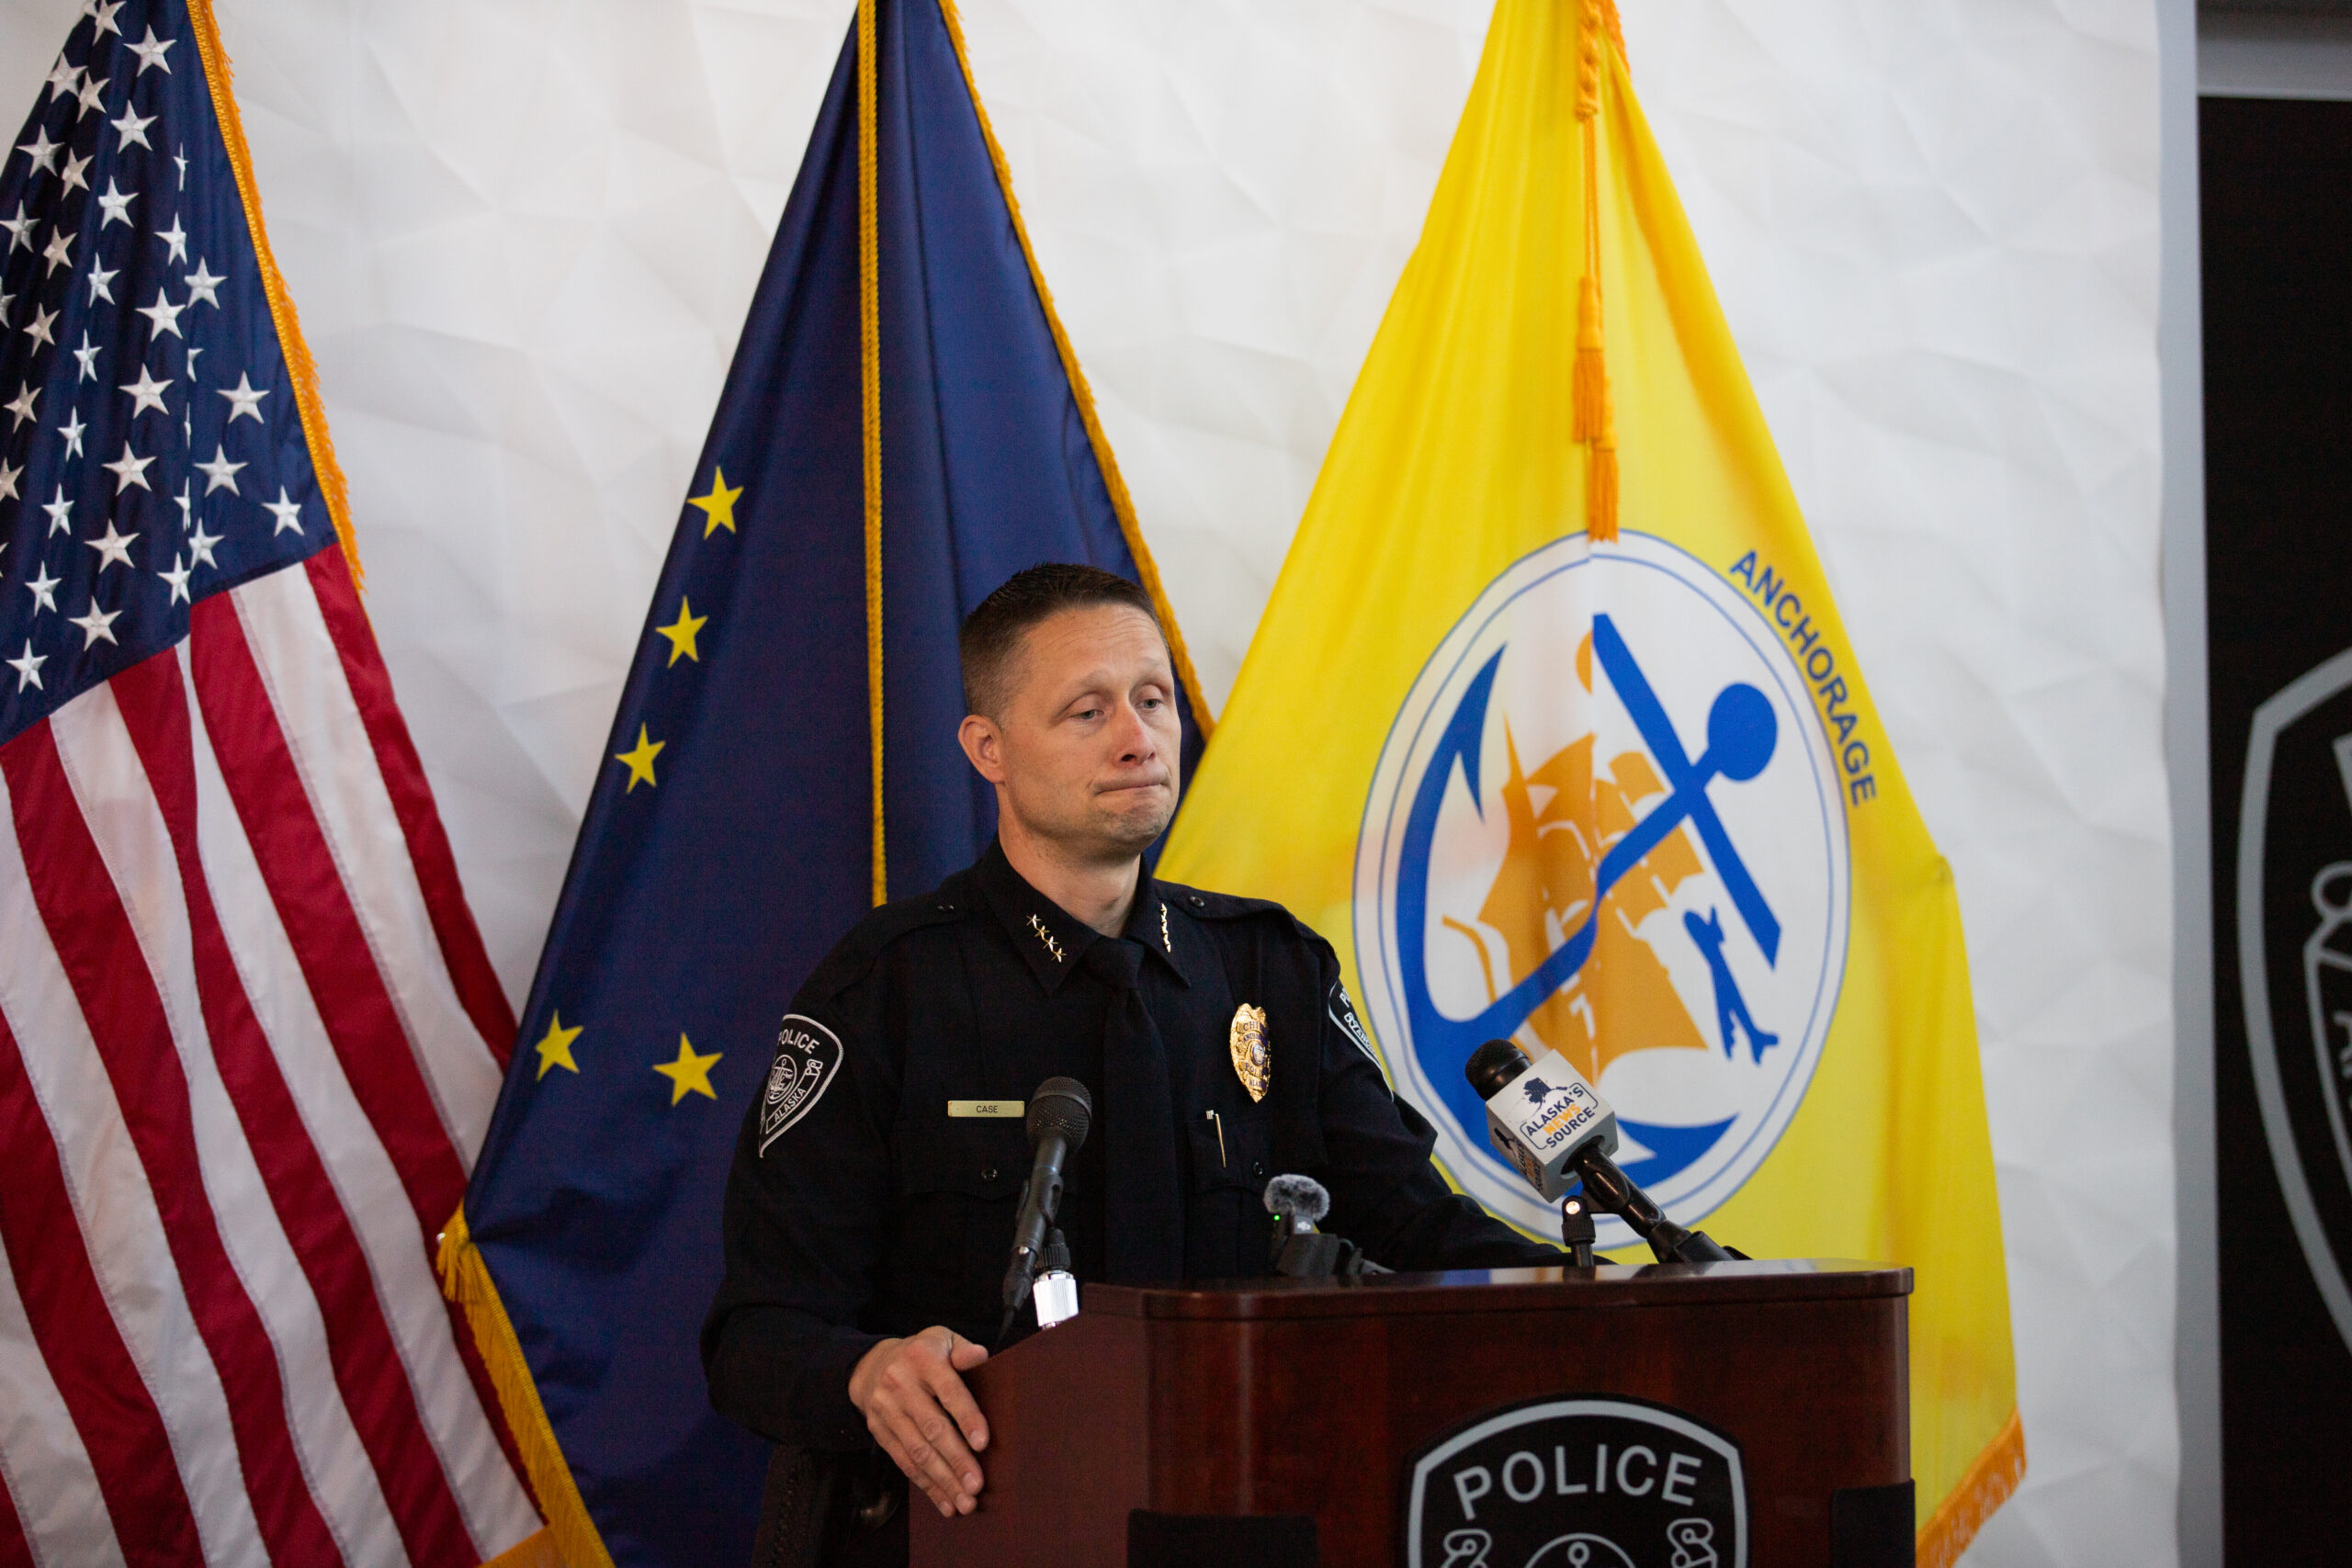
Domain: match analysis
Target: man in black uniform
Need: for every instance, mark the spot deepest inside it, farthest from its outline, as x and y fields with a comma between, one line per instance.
x=870, y=1211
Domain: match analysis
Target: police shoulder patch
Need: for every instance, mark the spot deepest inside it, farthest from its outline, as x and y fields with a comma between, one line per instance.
x=1343, y=1012
x=808, y=1055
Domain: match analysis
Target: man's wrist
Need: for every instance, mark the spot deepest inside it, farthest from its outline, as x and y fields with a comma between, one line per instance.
x=860, y=1384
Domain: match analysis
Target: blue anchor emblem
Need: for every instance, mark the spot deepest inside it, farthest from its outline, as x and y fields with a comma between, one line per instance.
x=1741, y=734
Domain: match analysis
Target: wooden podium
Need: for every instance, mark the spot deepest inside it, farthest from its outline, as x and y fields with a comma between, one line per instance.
x=1312, y=1399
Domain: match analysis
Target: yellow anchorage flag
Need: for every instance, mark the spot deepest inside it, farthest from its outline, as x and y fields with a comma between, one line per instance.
x=1551, y=729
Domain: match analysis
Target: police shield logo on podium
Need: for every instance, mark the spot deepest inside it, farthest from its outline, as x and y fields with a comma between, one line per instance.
x=1617, y=834
x=2294, y=897
x=1580, y=1483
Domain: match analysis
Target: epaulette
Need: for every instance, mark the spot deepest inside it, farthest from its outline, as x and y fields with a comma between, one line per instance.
x=1204, y=905
x=856, y=954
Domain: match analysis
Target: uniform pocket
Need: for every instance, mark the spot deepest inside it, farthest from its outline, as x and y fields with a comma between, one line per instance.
x=958, y=1180
x=1232, y=1155
x=980, y=1158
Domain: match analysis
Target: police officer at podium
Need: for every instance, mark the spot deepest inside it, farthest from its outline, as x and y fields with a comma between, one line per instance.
x=870, y=1209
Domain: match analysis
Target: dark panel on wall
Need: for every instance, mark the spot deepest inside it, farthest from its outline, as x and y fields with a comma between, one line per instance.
x=2276, y=192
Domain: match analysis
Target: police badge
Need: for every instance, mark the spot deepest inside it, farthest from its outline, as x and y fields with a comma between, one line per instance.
x=1252, y=1064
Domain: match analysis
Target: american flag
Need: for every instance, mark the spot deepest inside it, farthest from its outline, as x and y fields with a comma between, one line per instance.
x=249, y=1038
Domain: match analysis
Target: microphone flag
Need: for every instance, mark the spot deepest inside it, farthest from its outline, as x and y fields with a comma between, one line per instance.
x=1591, y=764
x=902, y=428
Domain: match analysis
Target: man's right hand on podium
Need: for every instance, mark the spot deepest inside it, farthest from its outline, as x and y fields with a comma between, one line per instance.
x=916, y=1405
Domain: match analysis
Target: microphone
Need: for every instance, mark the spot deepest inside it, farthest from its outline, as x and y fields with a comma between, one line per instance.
x=1297, y=1202
x=1539, y=1115
x=1300, y=1250
x=1552, y=1126
x=1060, y=1114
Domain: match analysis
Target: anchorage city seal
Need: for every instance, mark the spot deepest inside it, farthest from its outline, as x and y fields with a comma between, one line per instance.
x=1609, y=820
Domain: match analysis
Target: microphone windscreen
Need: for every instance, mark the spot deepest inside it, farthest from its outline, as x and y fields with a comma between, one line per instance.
x=1061, y=1105
x=1297, y=1198
x=1493, y=1066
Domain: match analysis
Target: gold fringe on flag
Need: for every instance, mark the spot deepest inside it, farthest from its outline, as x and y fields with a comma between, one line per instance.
x=465, y=1279
x=1990, y=1481
x=300, y=366
x=1123, y=505
x=869, y=337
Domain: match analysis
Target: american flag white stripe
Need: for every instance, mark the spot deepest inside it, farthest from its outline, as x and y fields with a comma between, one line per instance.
x=321, y=724
x=112, y=788
x=496, y=1507
x=120, y=1228
x=64, y=1519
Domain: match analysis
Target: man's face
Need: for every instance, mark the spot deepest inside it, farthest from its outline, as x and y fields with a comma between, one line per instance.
x=1084, y=749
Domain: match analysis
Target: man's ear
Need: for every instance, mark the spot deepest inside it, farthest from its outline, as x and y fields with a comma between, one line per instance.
x=983, y=743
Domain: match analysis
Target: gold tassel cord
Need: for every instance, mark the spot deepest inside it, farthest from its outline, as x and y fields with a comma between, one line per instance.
x=465, y=1279
x=1592, y=374
x=1594, y=419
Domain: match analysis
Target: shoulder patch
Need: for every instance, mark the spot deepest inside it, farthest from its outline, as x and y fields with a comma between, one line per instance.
x=807, y=1058
x=1342, y=1011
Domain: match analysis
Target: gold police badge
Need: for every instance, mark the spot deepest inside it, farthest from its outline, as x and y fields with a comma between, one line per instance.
x=1252, y=1064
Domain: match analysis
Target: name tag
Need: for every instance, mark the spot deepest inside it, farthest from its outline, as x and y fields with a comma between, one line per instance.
x=1009, y=1108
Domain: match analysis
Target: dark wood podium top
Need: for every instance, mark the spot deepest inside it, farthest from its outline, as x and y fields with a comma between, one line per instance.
x=1504, y=1290
x=1284, y=1397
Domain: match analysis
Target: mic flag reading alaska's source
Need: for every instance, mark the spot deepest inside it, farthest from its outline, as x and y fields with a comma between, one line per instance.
x=250, y=1037
x=902, y=431
x=1590, y=763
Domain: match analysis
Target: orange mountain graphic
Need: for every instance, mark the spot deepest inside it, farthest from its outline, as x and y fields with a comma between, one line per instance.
x=1564, y=817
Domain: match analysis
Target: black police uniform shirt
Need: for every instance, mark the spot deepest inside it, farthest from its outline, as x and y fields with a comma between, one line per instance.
x=859, y=1207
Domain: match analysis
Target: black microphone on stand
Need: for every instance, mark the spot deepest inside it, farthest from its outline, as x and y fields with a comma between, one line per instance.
x=1551, y=1124
x=1060, y=1114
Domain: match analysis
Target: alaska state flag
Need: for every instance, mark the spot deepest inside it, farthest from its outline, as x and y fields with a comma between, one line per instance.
x=1592, y=762
x=784, y=755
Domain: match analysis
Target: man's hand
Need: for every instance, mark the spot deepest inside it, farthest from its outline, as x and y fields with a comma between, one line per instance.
x=919, y=1410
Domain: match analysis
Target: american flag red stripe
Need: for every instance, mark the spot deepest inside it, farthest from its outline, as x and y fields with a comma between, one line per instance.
x=15, y=1549
x=404, y=774
x=154, y=708
x=221, y=877
x=72, y=1363
x=78, y=897
x=319, y=915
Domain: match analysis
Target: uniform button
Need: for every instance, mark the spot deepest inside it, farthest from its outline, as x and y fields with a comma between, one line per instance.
x=1198, y=901
x=947, y=909
x=988, y=1173
x=1256, y=1168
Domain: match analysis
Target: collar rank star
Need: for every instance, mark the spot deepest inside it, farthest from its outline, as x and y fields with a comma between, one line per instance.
x=1251, y=1064
x=1046, y=937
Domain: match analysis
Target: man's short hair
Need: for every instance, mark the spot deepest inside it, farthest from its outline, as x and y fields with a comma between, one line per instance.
x=992, y=634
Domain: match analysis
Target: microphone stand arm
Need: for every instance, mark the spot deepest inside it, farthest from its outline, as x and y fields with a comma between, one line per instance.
x=1612, y=1191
